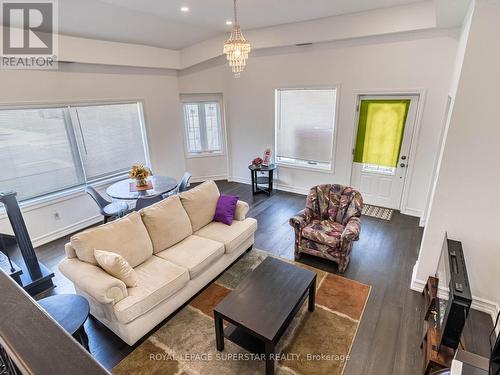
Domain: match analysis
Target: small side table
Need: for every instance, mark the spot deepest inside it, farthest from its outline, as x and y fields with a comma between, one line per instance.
x=259, y=181
x=70, y=311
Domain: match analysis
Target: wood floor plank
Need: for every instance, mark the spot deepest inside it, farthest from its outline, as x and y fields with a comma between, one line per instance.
x=389, y=334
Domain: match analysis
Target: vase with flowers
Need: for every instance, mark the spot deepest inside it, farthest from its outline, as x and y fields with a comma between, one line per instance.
x=139, y=173
x=257, y=162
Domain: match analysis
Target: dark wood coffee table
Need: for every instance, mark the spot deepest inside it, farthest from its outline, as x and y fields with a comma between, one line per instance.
x=260, y=309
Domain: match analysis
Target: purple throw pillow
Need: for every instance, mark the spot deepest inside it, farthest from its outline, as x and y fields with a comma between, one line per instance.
x=226, y=206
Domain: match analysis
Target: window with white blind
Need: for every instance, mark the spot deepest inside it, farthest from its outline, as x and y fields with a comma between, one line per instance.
x=305, y=124
x=48, y=150
x=203, y=125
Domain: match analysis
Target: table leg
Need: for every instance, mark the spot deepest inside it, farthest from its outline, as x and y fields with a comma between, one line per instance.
x=219, y=332
x=253, y=181
x=82, y=338
x=312, y=295
x=269, y=358
x=270, y=182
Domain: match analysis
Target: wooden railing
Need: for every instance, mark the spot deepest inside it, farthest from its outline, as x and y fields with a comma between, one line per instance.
x=31, y=342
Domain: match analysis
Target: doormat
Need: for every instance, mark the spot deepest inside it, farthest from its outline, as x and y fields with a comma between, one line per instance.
x=378, y=212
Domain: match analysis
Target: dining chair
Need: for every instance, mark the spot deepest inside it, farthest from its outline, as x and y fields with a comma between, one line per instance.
x=143, y=202
x=181, y=186
x=108, y=209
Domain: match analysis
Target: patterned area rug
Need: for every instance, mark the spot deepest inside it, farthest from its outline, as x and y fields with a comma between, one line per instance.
x=378, y=212
x=315, y=343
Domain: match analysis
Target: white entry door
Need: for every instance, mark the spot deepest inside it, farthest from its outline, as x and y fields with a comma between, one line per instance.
x=382, y=144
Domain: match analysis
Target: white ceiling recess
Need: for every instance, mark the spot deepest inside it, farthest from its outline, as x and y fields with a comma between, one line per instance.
x=161, y=23
x=183, y=39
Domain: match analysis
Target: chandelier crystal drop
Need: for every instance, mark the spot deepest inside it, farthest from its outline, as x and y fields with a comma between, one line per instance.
x=236, y=48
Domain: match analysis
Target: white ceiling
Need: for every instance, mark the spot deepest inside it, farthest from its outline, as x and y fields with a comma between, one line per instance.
x=161, y=23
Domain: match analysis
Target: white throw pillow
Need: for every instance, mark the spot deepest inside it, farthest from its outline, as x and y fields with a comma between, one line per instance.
x=116, y=266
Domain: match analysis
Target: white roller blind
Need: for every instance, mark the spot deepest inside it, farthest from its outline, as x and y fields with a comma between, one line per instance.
x=36, y=156
x=305, y=126
x=47, y=150
x=110, y=138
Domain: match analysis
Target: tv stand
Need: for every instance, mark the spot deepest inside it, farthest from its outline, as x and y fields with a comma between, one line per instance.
x=436, y=356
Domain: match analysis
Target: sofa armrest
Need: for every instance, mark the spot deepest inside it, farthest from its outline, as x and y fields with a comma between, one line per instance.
x=300, y=220
x=352, y=229
x=94, y=281
x=241, y=210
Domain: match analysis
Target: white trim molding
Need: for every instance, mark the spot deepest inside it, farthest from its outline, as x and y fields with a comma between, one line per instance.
x=480, y=304
x=212, y=177
x=51, y=236
x=277, y=186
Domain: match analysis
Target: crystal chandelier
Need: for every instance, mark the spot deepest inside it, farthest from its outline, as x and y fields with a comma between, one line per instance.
x=236, y=48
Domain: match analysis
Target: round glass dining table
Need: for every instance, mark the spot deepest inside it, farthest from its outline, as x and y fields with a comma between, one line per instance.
x=122, y=189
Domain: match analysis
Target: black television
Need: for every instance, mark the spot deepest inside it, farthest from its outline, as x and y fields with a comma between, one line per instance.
x=454, y=295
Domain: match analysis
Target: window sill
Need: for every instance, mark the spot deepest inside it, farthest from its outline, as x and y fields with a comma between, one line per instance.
x=205, y=155
x=61, y=196
x=310, y=168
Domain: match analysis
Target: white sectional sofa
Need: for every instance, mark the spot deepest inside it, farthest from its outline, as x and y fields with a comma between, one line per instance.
x=175, y=250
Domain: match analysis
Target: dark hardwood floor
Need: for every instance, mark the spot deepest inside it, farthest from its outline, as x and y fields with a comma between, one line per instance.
x=390, y=332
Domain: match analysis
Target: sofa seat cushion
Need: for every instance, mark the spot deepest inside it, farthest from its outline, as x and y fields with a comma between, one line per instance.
x=157, y=280
x=325, y=232
x=200, y=203
x=167, y=223
x=232, y=235
x=126, y=236
x=194, y=253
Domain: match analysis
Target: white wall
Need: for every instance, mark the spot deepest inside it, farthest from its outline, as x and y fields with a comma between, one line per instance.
x=465, y=200
x=75, y=83
x=405, y=62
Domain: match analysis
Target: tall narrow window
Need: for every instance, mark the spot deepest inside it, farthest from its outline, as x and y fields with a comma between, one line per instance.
x=305, y=120
x=203, y=127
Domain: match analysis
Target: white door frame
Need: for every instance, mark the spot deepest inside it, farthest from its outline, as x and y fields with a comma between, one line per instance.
x=421, y=93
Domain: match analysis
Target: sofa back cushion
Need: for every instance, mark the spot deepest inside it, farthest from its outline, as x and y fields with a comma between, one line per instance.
x=126, y=236
x=200, y=203
x=167, y=223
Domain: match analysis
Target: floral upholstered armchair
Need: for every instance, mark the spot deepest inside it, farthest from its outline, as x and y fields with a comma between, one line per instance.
x=329, y=224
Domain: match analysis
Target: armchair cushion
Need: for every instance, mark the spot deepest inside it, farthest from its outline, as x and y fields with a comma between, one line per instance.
x=352, y=230
x=94, y=281
x=300, y=220
x=324, y=232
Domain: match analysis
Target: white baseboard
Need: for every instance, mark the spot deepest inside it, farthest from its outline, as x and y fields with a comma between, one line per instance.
x=421, y=223
x=205, y=178
x=54, y=235
x=278, y=186
x=412, y=212
x=478, y=303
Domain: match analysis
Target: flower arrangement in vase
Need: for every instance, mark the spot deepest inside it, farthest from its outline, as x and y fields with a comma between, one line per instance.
x=257, y=162
x=139, y=173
